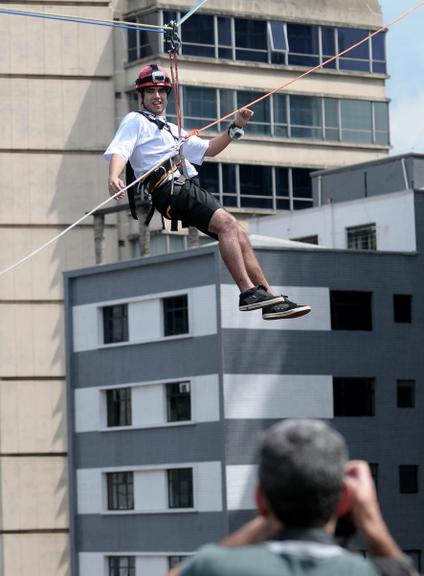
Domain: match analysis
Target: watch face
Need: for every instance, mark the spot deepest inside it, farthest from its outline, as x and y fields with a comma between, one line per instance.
x=235, y=132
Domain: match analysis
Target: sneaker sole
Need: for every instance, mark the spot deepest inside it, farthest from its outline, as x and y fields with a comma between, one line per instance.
x=296, y=313
x=263, y=304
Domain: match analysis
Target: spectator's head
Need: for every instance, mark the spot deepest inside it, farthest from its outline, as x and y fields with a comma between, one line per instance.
x=301, y=472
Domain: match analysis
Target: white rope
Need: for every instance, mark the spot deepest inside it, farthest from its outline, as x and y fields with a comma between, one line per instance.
x=52, y=240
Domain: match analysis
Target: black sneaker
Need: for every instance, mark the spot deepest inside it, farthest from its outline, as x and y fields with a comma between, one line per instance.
x=257, y=297
x=285, y=309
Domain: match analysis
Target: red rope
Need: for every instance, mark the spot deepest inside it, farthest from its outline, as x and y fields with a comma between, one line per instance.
x=173, y=62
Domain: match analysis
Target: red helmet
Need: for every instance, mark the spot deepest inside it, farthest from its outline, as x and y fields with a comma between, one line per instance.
x=153, y=75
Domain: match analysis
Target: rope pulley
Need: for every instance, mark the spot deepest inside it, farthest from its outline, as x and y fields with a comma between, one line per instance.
x=172, y=39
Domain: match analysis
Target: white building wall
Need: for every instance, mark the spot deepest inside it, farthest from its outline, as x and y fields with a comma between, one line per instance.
x=241, y=483
x=330, y=221
x=92, y=564
x=150, y=488
x=317, y=298
x=144, y=318
x=277, y=396
x=208, y=487
x=96, y=563
x=148, y=404
x=150, y=491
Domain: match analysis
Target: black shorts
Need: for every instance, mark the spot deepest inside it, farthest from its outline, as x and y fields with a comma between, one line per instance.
x=189, y=203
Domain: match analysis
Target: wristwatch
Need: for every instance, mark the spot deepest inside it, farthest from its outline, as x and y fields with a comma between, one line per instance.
x=235, y=132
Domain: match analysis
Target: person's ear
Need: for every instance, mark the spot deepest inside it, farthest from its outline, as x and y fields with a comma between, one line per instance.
x=344, y=505
x=262, y=502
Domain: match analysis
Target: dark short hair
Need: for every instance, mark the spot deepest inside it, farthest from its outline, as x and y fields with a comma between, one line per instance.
x=301, y=470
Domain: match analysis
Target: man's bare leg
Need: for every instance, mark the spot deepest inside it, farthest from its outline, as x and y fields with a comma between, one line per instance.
x=225, y=226
x=251, y=263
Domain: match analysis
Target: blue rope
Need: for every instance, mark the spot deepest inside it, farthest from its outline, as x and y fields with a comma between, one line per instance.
x=190, y=12
x=80, y=21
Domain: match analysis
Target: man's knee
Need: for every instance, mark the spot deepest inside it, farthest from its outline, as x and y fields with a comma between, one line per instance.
x=222, y=222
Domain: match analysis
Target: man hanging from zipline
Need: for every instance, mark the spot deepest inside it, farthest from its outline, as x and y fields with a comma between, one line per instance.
x=142, y=139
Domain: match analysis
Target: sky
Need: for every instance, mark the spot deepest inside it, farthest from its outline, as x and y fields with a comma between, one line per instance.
x=405, y=54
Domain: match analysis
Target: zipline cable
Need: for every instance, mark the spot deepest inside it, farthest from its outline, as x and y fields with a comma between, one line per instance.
x=310, y=71
x=81, y=20
x=87, y=214
x=190, y=12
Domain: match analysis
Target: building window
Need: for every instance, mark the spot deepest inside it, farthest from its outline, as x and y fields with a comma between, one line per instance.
x=354, y=396
x=180, y=488
x=118, y=407
x=175, y=315
x=142, y=44
x=408, y=479
x=121, y=566
x=351, y=310
x=286, y=115
x=402, y=308
x=178, y=401
x=115, y=323
x=120, y=491
x=374, y=473
x=406, y=393
x=255, y=184
x=274, y=42
x=174, y=561
x=362, y=237
x=248, y=187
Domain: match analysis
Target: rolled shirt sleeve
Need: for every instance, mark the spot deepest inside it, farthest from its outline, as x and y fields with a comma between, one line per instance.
x=194, y=149
x=125, y=138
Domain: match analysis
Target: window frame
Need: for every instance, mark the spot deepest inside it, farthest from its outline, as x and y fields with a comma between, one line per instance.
x=281, y=104
x=400, y=314
x=270, y=52
x=123, y=410
x=355, y=235
x=186, y=397
x=402, y=402
x=110, y=324
x=414, y=487
x=343, y=404
x=168, y=331
x=175, y=472
x=126, y=484
x=348, y=320
x=130, y=570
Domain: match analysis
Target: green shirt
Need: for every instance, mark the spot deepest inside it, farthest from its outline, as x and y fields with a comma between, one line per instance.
x=286, y=558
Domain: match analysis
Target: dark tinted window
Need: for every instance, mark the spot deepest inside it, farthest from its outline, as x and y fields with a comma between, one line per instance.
x=351, y=310
x=402, y=308
x=180, y=488
x=121, y=566
x=408, y=479
x=406, y=393
x=119, y=407
x=120, y=491
x=115, y=323
x=353, y=396
x=255, y=186
x=178, y=401
x=175, y=314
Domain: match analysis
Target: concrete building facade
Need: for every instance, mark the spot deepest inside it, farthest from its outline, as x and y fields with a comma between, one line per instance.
x=57, y=115
x=170, y=385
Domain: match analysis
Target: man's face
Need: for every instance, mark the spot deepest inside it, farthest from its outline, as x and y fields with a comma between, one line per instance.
x=155, y=99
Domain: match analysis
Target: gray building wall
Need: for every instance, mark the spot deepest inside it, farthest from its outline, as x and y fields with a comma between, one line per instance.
x=388, y=352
